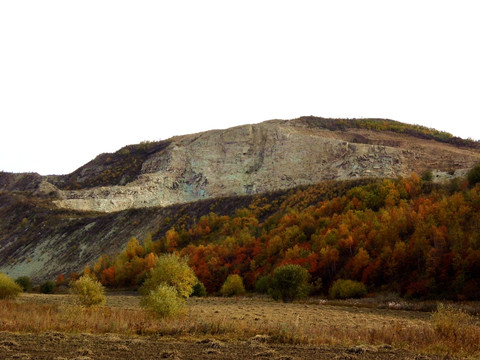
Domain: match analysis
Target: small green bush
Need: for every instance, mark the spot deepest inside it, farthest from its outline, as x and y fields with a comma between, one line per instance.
x=47, y=287
x=9, y=289
x=290, y=282
x=427, y=175
x=164, y=301
x=233, y=286
x=199, y=290
x=474, y=175
x=88, y=291
x=345, y=289
x=25, y=282
x=263, y=284
x=171, y=270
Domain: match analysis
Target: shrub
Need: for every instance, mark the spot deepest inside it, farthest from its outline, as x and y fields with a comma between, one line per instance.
x=199, y=290
x=263, y=284
x=9, y=289
x=290, y=282
x=233, y=286
x=344, y=289
x=171, y=270
x=164, y=301
x=47, y=287
x=427, y=175
x=25, y=283
x=451, y=323
x=474, y=175
x=89, y=291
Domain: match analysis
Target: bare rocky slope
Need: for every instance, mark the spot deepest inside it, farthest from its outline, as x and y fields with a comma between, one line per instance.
x=249, y=159
x=55, y=224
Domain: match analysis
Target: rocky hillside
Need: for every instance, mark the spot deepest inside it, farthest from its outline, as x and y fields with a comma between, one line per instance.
x=253, y=159
x=56, y=224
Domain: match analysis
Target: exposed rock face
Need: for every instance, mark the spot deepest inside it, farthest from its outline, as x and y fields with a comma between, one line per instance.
x=268, y=156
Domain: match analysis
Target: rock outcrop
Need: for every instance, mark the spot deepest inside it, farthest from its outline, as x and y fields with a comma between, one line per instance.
x=268, y=156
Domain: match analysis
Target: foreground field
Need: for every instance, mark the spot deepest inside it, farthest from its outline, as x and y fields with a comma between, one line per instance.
x=52, y=327
x=86, y=346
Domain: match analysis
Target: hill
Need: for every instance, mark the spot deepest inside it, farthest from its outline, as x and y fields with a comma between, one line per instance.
x=57, y=224
x=253, y=159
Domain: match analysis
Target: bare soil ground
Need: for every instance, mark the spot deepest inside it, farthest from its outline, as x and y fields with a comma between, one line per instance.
x=60, y=346
x=251, y=320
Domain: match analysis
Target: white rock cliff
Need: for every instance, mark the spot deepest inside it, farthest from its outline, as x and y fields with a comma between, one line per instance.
x=264, y=157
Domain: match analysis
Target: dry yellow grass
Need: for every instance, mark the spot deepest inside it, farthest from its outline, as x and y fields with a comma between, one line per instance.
x=244, y=318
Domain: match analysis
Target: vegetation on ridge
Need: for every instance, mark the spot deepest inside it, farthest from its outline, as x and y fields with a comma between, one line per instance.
x=418, y=131
x=116, y=168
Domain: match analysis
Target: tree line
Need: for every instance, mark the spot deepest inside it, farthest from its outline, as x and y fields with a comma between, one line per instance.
x=408, y=236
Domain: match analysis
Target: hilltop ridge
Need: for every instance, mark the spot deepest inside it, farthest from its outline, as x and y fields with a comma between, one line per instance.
x=252, y=159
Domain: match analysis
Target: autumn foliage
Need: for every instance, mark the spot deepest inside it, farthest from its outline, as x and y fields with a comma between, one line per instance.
x=88, y=291
x=9, y=289
x=417, y=239
x=173, y=271
x=233, y=286
x=345, y=289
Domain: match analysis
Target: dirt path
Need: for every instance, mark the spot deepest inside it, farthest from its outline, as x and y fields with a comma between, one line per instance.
x=57, y=346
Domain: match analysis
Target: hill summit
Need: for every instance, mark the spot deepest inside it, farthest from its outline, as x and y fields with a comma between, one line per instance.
x=252, y=159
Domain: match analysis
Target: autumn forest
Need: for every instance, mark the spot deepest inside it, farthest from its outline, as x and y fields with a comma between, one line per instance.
x=409, y=236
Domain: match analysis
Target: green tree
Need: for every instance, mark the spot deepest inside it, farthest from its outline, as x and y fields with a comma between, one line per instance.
x=171, y=270
x=199, y=290
x=427, y=175
x=233, y=286
x=9, y=289
x=290, y=282
x=474, y=175
x=25, y=282
x=47, y=287
x=263, y=284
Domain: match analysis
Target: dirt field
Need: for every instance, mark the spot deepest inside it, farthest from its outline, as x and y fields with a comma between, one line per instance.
x=84, y=347
x=231, y=328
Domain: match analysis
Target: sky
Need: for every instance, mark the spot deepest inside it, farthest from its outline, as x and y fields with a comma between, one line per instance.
x=80, y=78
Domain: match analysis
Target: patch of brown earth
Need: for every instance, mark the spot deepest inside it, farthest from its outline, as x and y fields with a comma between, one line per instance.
x=85, y=346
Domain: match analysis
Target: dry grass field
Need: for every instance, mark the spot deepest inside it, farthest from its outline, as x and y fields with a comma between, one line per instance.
x=52, y=327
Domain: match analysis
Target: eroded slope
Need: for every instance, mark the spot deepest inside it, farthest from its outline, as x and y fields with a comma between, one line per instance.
x=269, y=156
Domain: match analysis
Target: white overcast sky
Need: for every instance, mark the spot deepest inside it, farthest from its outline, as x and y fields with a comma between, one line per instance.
x=78, y=78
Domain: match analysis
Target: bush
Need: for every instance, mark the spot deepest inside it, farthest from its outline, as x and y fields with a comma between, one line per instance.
x=199, y=290
x=171, y=270
x=25, y=283
x=290, y=282
x=9, y=289
x=474, y=175
x=263, y=284
x=344, y=289
x=164, y=301
x=451, y=323
x=47, y=287
x=427, y=175
x=233, y=286
x=89, y=291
